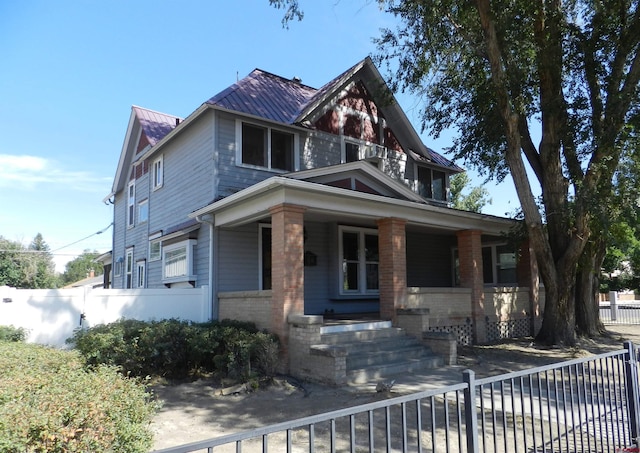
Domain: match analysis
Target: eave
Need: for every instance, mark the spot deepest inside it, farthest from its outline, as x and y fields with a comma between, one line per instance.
x=254, y=203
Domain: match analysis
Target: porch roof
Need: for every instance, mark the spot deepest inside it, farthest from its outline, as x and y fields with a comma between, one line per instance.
x=324, y=202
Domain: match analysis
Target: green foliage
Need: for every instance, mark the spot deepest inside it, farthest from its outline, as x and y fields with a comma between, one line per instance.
x=176, y=349
x=50, y=403
x=26, y=267
x=476, y=198
x=11, y=333
x=81, y=266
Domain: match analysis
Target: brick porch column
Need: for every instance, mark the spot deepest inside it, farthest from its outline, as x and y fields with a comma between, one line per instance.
x=393, y=266
x=470, y=258
x=287, y=271
x=527, y=270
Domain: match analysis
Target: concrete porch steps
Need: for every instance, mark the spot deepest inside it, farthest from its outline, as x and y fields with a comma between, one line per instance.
x=376, y=350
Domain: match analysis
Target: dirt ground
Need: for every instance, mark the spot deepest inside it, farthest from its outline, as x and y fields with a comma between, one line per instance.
x=195, y=411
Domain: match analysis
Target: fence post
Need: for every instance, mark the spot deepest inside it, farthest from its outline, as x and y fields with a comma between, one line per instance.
x=613, y=305
x=633, y=393
x=470, y=413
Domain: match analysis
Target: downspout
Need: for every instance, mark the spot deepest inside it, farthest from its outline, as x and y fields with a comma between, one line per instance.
x=213, y=298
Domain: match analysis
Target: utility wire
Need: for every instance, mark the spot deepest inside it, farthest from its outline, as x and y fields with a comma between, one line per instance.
x=85, y=238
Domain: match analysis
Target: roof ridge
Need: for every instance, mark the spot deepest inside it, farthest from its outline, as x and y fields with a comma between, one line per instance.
x=283, y=78
x=155, y=111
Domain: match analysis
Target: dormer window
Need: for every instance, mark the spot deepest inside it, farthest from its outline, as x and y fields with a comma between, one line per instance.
x=432, y=183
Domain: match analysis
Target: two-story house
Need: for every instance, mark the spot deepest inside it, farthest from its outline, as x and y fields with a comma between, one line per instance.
x=285, y=199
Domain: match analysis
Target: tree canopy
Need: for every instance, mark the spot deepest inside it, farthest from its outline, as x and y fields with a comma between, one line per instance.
x=26, y=267
x=81, y=267
x=467, y=198
x=501, y=73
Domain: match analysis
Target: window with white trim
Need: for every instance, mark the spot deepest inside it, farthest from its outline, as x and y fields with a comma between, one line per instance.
x=264, y=253
x=143, y=211
x=129, y=269
x=265, y=147
x=131, y=204
x=158, y=172
x=141, y=275
x=117, y=268
x=155, y=249
x=359, y=261
x=177, y=262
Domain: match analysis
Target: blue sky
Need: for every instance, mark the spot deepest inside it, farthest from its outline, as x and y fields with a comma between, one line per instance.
x=72, y=69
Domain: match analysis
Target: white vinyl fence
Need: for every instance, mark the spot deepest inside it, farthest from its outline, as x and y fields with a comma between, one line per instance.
x=51, y=315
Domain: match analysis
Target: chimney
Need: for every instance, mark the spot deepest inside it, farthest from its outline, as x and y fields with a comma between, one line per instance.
x=177, y=121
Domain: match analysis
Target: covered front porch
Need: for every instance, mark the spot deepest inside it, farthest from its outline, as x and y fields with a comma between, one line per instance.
x=289, y=248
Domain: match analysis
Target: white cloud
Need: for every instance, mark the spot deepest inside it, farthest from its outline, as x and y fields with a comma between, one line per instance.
x=27, y=172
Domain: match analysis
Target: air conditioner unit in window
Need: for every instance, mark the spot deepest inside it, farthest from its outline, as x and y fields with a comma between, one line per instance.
x=375, y=151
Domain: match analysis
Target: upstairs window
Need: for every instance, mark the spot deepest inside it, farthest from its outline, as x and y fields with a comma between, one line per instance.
x=351, y=152
x=143, y=211
x=432, y=184
x=266, y=147
x=158, y=172
x=131, y=204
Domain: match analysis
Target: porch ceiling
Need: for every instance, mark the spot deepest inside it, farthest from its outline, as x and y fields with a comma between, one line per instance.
x=331, y=203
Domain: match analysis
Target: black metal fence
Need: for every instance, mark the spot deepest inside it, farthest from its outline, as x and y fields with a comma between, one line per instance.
x=583, y=405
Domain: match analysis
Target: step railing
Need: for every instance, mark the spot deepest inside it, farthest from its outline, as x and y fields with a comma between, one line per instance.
x=588, y=405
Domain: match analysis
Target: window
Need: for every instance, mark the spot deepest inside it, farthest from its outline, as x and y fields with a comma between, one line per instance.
x=266, y=147
x=143, y=211
x=498, y=265
x=265, y=257
x=432, y=184
x=140, y=273
x=281, y=150
x=131, y=203
x=129, y=269
x=177, y=262
x=117, y=269
x=155, y=249
x=360, y=261
x=158, y=172
x=351, y=152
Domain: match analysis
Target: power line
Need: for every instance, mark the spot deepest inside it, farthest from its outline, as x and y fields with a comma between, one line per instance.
x=85, y=238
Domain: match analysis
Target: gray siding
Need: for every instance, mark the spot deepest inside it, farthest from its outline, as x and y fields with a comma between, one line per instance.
x=238, y=260
x=319, y=150
x=429, y=260
x=316, y=278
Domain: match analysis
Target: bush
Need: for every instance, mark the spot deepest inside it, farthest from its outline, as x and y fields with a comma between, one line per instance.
x=50, y=403
x=11, y=333
x=177, y=349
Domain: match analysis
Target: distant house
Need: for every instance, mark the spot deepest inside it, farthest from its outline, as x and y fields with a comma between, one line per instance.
x=90, y=281
x=289, y=200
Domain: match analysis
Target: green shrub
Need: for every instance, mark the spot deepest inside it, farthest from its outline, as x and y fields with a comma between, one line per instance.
x=11, y=333
x=176, y=349
x=50, y=403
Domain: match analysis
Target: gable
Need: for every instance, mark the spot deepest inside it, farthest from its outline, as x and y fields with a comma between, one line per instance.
x=359, y=176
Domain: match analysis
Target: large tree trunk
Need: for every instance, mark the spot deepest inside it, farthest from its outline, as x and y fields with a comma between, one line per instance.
x=559, y=322
x=588, y=321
